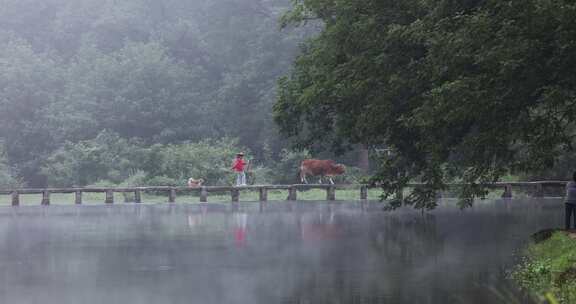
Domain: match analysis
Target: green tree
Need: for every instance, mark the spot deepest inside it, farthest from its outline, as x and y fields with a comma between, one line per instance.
x=210, y=160
x=287, y=168
x=137, y=92
x=162, y=71
x=8, y=179
x=29, y=84
x=465, y=91
x=113, y=160
x=106, y=157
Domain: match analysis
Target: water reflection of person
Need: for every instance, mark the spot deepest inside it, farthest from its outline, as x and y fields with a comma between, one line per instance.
x=570, y=201
x=240, y=225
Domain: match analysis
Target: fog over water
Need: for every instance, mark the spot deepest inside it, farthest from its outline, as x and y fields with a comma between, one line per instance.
x=286, y=253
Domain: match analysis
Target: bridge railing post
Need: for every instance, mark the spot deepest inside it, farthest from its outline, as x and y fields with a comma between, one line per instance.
x=364, y=192
x=137, y=196
x=235, y=193
x=78, y=197
x=203, y=195
x=109, y=197
x=331, y=193
x=507, y=191
x=15, y=198
x=172, y=195
x=45, y=198
x=292, y=193
x=263, y=195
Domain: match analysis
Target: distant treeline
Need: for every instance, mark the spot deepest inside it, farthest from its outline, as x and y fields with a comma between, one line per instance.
x=153, y=72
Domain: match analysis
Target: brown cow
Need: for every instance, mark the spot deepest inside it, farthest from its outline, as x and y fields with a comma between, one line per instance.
x=319, y=167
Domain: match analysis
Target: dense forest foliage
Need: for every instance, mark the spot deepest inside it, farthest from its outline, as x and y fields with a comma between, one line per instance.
x=152, y=92
x=459, y=91
x=104, y=90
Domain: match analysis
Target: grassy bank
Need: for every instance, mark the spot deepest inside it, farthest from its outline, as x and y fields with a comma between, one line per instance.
x=549, y=270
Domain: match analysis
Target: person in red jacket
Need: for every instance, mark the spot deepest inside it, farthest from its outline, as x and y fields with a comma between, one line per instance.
x=238, y=166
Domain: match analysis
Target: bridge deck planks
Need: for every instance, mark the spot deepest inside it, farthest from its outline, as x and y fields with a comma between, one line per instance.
x=263, y=190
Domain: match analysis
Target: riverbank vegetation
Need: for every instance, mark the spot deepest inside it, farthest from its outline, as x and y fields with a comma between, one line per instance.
x=549, y=270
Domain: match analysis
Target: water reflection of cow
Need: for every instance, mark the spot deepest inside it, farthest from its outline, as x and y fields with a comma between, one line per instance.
x=320, y=227
x=322, y=168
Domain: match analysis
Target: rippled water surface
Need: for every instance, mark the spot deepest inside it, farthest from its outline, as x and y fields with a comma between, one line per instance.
x=278, y=253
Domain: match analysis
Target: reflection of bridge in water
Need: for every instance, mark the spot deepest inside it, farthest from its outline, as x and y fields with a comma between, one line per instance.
x=534, y=189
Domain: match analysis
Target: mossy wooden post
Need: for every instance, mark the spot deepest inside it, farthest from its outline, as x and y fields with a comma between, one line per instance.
x=109, y=197
x=507, y=191
x=45, y=198
x=203, y=195
x=137, y=196
x=78, y=197
x=539, y=190
x=364, y=193
x=15, y=198
x=172, y=196
x=400, y=194
x=292, y=193
x=235, y=195
x=263, y=194
x=331, y=193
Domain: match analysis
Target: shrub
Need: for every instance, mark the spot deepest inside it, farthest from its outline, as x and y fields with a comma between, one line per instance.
x=165, y=181
x=547, y=268
x=137, y=179
x=127, y=162
x=207, y=159
x=260, y=175
x=106, y=157
x=103, y=183
x=8, y=179
x=286, y=170
x=353, y=175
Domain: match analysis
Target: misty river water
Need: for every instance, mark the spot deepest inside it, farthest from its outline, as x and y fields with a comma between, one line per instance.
x=299, y=252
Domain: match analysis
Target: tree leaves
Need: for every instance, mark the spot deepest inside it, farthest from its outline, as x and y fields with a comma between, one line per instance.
x=162, y=71
x=465, y=91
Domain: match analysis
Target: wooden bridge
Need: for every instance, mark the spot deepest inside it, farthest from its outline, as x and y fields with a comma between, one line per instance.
x=536, y=188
